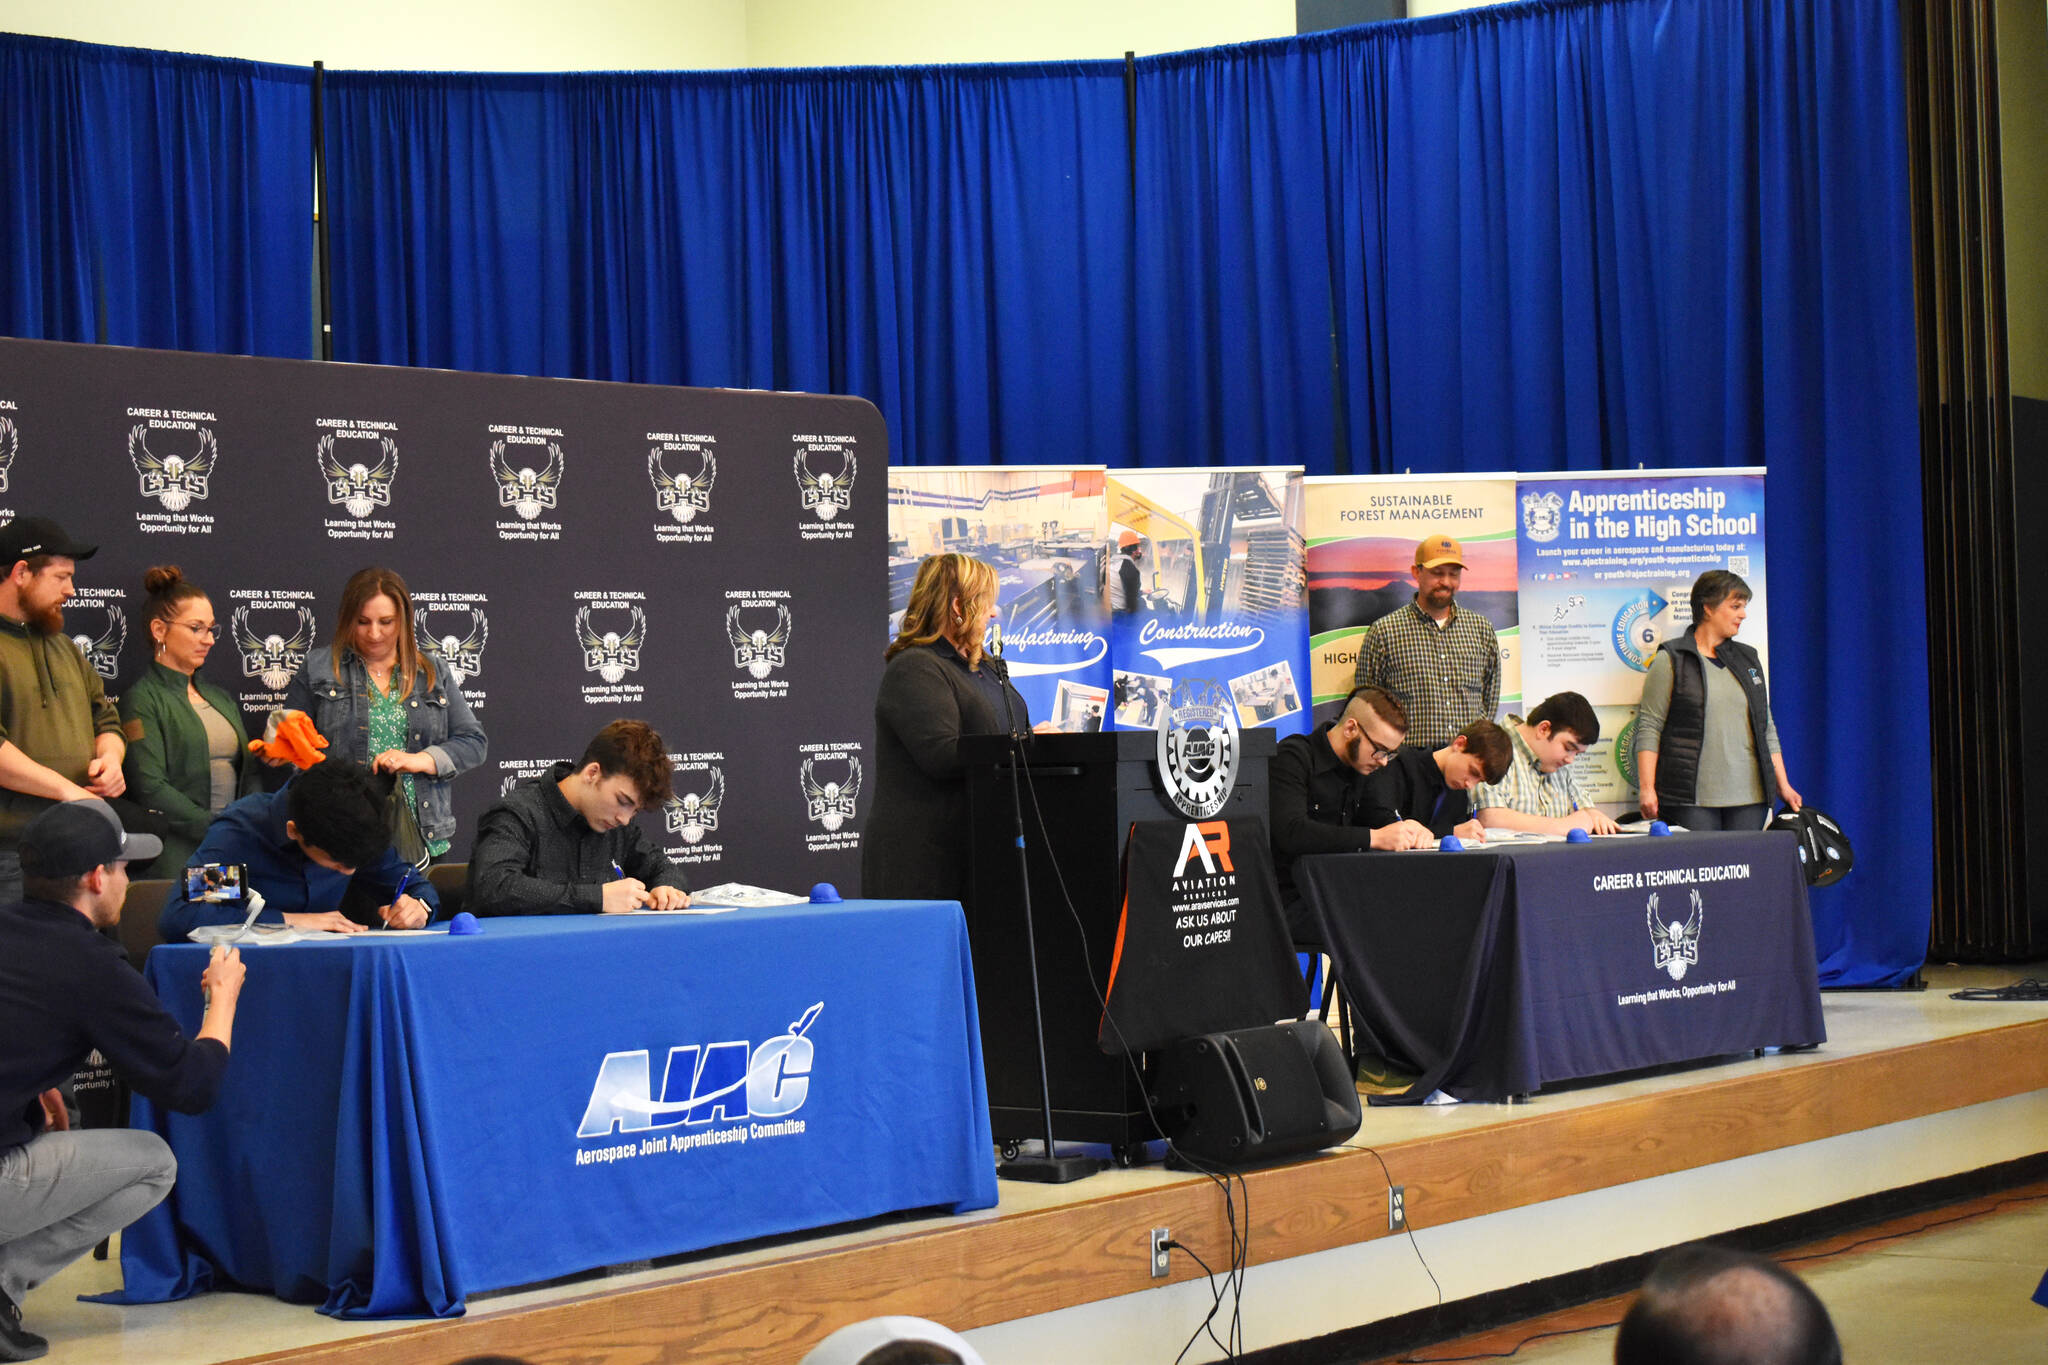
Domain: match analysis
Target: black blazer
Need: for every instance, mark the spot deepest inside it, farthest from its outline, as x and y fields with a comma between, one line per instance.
x=915, y=844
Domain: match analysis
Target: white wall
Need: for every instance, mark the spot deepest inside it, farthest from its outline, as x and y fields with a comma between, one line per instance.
x=906, y=32
x=444, y=35
x=533, y=35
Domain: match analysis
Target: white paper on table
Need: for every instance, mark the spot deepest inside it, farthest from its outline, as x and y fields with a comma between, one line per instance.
x=691, y=909
x=255, y=936
x=741, y=896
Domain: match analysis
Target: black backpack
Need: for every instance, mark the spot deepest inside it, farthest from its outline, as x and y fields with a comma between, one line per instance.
x=1824, y=852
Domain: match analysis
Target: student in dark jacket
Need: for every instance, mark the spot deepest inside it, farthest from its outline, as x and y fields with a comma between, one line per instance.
x=188, y=755
x=1433, y=786
x=67, y=990
x=936, y=687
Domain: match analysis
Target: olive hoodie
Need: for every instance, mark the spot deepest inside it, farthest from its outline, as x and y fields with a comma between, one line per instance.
x=53, y=707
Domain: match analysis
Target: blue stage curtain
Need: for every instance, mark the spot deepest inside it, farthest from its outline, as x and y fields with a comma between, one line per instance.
x=950, y=243
x=1551, y=236
x=154, y=199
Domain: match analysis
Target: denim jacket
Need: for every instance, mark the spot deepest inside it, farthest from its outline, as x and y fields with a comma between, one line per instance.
x=438, y=722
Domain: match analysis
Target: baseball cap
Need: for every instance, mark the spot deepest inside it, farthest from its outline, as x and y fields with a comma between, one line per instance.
x=74, y=837
x=28, y=536
x=1435, y=550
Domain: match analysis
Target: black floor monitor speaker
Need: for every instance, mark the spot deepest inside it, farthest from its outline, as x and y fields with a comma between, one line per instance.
x=1256, y=1095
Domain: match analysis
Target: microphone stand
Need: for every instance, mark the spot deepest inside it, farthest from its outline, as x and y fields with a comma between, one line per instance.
x=1050, y=1169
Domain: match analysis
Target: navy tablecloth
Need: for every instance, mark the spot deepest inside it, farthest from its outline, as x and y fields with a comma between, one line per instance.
x=1493, y=973
x=409, y=1119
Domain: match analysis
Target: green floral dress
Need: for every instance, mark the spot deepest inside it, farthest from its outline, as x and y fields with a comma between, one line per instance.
x=388, y=731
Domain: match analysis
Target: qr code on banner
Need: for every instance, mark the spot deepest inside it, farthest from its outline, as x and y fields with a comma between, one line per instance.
x=1738, y=564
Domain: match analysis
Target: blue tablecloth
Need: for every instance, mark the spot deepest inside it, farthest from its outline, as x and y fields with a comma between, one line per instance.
x=1493, y=973
x=408, y=1119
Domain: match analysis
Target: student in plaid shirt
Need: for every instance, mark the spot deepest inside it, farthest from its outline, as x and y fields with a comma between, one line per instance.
x=1441, y=661
x=1539, y=791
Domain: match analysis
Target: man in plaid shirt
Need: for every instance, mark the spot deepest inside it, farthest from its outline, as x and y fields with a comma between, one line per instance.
x=1441, y=662
x=1539, y=791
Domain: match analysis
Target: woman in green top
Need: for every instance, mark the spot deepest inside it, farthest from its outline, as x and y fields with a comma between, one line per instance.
x=187, y=749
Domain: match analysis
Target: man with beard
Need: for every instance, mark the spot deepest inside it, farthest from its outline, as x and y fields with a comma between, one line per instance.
x=60, y=738
x=1441, y=661
x=1316, y=794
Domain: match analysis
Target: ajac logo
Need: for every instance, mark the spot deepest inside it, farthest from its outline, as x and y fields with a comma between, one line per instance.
x=1542, y=515
x=1208, y=842
x=103, y=651
x=173, y=480
x=682, y=496
x=523, y=490
x=733, y=1081
x=273, y=658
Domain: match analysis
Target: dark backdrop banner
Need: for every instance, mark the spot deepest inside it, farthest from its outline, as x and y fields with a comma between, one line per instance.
x=710, y=562
x=155, y=199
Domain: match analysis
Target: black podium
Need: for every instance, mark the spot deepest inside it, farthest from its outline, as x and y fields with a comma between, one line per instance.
x=1089, y=788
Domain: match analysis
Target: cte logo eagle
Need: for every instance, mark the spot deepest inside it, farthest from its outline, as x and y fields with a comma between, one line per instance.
x=173, y=480
x=682, y=496
x=357, y=488
x=1676, y=946
x=826, y=494
x=611, y=655
x=758, y=651
x=273, y=658
x=524, y=491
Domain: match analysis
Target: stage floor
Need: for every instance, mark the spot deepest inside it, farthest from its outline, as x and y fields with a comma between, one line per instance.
x=1047, y=1254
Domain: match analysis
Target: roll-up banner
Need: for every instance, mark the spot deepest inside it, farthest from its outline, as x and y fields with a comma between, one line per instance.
x=1042, y=529
x=1204, y=578
x=1607, y=566
x=1362, y=533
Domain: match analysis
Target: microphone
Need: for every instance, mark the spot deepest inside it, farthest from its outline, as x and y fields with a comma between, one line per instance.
x=992, y=659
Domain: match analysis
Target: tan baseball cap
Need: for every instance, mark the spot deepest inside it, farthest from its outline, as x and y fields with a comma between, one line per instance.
x=1435, y=550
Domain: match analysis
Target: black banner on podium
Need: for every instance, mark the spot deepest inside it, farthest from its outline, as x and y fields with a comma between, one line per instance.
x=1201, y=946
x=711, y=561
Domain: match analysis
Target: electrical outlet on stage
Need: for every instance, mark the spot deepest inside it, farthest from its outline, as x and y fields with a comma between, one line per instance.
x=1397, y=1207
x=1160, y=1237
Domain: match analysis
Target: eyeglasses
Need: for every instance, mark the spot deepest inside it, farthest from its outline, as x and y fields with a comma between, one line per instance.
x=203, y=632
x=1378, y=750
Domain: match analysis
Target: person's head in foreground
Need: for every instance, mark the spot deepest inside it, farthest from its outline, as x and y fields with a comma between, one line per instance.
x=1710, y=1305
x=893, y=1341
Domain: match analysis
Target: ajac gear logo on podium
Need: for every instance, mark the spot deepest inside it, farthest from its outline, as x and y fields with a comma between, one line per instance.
x=1199, y=748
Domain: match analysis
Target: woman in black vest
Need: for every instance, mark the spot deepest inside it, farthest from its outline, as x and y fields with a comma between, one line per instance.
x=936, y=687
x=1706, y=747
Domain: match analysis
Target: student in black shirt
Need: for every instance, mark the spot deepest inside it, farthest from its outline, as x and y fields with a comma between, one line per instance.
x=66, y=989
x=1432, y=787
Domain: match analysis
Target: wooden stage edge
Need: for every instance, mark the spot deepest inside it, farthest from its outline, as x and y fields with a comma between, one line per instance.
x=978, y=1271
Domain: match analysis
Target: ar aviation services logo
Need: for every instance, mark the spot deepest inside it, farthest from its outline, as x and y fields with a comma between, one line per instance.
x=1676, y=946
x=754, y=1092
x=273, y=656
x=695, y=814
x=1199, y=749
x=103, y=651
x=1542, y=515
x=173, y=477
x=356, y=487
x=761, y=650
x=527, y=491
x=611, y=654
x=830, y=804
x=683, y=496
x=10, y=446
x=463, y=649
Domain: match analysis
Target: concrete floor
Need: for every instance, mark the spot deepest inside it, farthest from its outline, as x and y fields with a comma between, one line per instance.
x=1950, y=1284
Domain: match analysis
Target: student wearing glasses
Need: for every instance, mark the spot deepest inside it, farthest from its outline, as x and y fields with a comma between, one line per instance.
x=187, y=751
x=1539, y=791
x=1316, y=793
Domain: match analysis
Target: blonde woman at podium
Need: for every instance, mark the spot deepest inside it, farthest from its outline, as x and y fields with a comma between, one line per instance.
x=939, y=684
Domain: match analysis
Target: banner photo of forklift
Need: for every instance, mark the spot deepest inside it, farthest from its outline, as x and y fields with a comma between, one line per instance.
x=1204, y=585
x=1362, y=532
x=1607, y=567
x=1042, y=531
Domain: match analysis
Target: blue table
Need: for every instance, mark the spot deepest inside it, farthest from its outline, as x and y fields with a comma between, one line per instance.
x=408, y=1119
x=1493, y=973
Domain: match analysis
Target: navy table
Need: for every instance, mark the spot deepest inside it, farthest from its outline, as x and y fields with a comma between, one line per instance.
x=408, y=1119
x=1493, y=973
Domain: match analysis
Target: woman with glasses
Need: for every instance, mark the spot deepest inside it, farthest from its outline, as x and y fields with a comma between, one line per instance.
x=187, y=750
